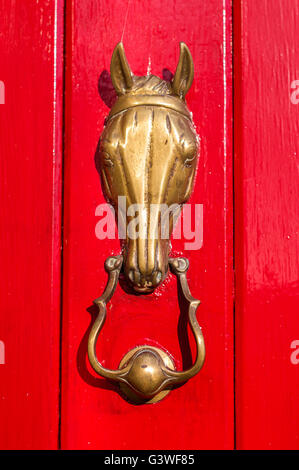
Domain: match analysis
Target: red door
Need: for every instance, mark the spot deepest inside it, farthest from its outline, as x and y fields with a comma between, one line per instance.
x=55, y=96
x=152, y=319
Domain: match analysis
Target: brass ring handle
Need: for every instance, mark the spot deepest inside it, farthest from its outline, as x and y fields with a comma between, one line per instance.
x=147, y=371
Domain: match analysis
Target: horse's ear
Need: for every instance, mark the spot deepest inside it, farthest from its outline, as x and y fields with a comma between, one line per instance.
x=184, y=73
x=120, y=71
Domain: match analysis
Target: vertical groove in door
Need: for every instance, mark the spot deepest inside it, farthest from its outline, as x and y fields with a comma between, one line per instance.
x=62, y=213
x=237, y=193
x=234, y=19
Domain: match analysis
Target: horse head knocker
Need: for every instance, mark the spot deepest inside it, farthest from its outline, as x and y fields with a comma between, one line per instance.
x=147, y=155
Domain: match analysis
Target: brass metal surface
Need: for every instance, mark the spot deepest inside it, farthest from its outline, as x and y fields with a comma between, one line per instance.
x=131, y=101
x=147, y=154
x=145, y=371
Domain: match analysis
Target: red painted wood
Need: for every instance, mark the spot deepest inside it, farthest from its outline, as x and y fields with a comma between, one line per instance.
x=199, y=414
x=267, y=224
x=30, y=183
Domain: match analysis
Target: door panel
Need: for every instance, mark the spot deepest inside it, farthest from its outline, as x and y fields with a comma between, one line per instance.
x=267, y=224
x=30, y=185
x=199, y=414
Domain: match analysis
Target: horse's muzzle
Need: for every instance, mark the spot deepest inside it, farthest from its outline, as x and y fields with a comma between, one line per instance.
x=146, y=264
x=144, y=283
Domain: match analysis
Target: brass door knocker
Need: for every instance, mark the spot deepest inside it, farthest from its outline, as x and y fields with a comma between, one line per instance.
x=148, y=155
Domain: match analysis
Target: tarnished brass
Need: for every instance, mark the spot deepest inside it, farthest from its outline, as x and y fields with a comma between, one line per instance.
x=147, y=153
x=145, y=372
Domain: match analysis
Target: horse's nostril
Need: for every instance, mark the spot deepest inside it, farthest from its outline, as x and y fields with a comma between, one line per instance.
x=157, y=277
x=131, y=275
x=134, y=276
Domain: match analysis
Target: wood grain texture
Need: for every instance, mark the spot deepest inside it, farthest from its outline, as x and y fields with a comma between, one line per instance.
x=199, y=414
x=267, y=224
x=30, y=186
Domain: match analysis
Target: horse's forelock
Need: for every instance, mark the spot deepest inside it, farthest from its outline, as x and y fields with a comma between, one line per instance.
x=150, y=84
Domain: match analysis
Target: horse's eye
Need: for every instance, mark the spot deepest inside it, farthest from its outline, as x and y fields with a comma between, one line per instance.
x=107, y=161
x=189, y=160
x=189, y=154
